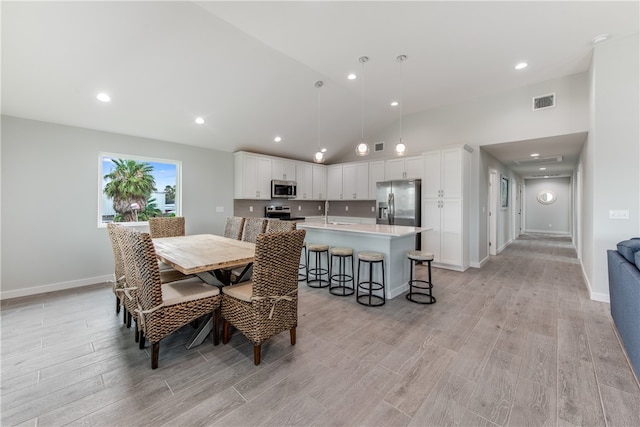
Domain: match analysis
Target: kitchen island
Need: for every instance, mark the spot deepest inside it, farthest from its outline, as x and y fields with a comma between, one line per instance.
x=394, y=241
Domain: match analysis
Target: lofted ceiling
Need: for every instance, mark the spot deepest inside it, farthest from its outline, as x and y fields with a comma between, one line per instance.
x=249, y=68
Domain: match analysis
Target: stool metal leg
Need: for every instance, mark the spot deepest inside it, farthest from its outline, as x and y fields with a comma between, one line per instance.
x=318, y=271
x=420, y=291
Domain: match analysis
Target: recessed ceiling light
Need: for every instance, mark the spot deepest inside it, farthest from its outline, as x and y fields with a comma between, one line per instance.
x=394, y=103
x=352, y=76
x=103, y=97
x=535, y=155
x=277, y=139
x=543, y=169
x=599, y=39
x=521, y=65
x=199, y=120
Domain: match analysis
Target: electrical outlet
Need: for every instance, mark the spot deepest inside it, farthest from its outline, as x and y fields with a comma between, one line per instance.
x=624, y=214
x=319, y=207
x=346, y=208
x=373, y=208
x=250, y=208
x=299, y=207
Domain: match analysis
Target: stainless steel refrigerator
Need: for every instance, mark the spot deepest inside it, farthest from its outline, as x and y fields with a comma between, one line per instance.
x=398, y=203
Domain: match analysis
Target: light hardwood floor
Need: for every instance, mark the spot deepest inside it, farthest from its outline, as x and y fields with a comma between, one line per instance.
x=516, y=342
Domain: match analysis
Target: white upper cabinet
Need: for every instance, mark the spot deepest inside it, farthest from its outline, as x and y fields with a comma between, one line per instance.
x=283, y=169
x=252, y=174
x=355, y=181
x=334, y=182
x=304, y=181
x=319, y=179
x=443, y=174
x=403, y=168
x=376, y=175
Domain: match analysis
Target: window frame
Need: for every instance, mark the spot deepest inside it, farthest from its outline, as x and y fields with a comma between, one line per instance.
x=146, y=159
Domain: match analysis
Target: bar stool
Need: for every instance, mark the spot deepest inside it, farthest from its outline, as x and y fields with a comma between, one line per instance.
x=318, y=270
x=366, y=289
x=339, y=282
x=419, y=287
x=303, y=265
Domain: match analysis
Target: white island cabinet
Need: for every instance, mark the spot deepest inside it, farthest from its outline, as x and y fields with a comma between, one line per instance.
x=394, y=241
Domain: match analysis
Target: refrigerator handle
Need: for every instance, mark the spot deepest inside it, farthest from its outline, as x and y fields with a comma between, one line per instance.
x=392, y=208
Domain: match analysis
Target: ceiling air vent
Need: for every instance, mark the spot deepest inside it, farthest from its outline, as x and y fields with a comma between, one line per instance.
x=544, y=101
x=378, y=146
x=538, y=160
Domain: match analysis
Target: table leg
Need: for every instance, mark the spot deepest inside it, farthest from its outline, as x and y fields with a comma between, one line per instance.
x=201, y=333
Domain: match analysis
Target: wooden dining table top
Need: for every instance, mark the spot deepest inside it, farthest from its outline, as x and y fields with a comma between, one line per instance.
x=198, y=253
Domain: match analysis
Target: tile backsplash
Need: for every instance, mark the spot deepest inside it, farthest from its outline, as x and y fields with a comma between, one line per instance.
x=305, y=208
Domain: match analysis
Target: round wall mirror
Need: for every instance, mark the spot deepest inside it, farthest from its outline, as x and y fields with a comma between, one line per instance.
x=546, y=197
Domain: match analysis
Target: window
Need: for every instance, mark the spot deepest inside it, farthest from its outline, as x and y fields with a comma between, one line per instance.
x=133, y=189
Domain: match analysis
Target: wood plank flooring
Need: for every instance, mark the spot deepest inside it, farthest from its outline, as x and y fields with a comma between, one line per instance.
x=514, y=343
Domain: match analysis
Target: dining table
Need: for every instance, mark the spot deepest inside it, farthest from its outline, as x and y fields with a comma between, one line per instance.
x=211, y=258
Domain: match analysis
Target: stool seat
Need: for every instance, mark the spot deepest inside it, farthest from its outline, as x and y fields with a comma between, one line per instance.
x=317, y=247
x=420, y=256
x=341, y=251
x=370, y=256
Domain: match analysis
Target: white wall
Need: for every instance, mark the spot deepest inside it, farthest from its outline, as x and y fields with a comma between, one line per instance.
x=553, y=218
x=611, y=156
x=50, y=238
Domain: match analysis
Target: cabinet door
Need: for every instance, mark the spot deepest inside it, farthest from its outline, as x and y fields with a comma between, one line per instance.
x=362, y=181
x=319, y=182
x=413, y=167
x=431, y=218
x=394, y=169
x=376, y=174
x=350, y=181
x=304, y=181
x=431, y=175
x=451, y=234
x=451, y=175
x=283, y=169
x=263, y=183
x=334, y=183
x=249, y=177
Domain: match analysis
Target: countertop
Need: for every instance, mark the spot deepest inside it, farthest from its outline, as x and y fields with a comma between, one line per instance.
x=377, y=229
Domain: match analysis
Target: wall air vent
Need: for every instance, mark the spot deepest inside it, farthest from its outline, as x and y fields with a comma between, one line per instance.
x=378, y=146
x=538, y=160
x=544, y=101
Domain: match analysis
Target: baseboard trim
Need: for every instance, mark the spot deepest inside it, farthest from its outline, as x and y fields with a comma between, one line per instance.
x=35, y=290
x=594, y=296
x=479, y=264
x=561, y=233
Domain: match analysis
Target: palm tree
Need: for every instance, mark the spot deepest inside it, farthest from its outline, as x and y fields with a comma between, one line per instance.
x=130, y=182
x=170, y=194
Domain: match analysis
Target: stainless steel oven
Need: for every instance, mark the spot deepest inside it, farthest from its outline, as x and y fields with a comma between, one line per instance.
x=283, y=189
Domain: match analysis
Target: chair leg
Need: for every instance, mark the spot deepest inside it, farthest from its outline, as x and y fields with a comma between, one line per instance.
x=292, y=334
x=124, y=315
x=225, y=331
x=256, y=354
x=136, y=334
x=128, y=320
x=216, y=326
x=141, y=338
x=155, y=354
x=117, y=305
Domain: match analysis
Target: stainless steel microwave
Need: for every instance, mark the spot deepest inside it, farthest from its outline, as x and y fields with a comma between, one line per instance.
x=283, y=189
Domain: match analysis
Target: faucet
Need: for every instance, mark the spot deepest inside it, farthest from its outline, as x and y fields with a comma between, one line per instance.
x=326, y=211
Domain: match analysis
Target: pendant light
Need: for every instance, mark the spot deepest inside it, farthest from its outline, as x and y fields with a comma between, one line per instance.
x=319, y=156
x=362, y=149
x=401, y=149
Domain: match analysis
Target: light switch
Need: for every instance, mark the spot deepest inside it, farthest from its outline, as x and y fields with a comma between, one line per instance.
x=624, y=214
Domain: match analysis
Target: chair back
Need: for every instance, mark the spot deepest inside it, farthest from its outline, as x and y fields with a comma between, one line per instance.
x=277, y=226
x=252, y=228
x=112, y=229
x=275, y=265
x=141, y=267
x=166, y=226
x=233, y=227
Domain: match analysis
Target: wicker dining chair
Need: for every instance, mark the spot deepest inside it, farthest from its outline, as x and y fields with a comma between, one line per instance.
x=252, y=228
x=233, y=227
x=163, y=308
x=268, y=304
x=278, y=226
x=119, y=282
x=166, y=226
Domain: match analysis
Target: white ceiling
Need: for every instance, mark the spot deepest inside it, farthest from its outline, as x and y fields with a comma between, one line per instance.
x=249, y=68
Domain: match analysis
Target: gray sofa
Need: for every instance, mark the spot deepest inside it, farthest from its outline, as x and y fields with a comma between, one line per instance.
x=624, y=294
